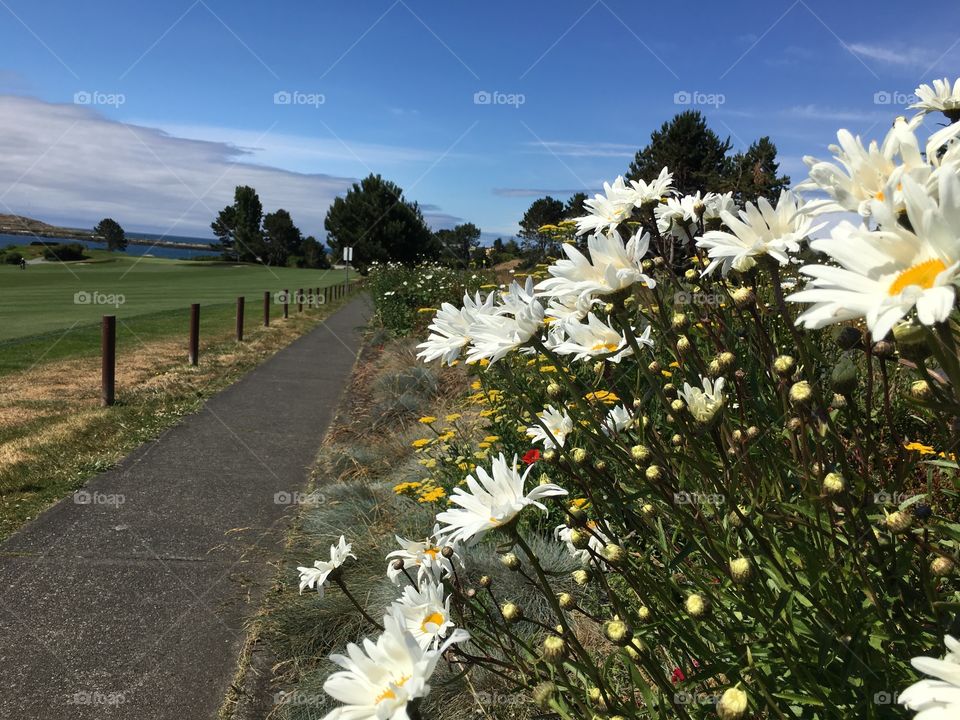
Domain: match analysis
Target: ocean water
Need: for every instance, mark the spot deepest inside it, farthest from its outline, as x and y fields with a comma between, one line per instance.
x=132, y=250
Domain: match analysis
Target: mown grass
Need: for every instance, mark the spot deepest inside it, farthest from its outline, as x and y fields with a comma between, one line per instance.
x=53, y=433
x=37, y=305
x=367, y=453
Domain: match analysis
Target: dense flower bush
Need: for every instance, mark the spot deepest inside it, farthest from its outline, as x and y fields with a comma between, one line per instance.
x=405, y=296
x=745, y=437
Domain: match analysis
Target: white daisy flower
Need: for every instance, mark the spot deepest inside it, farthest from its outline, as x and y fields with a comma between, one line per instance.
x=885, y=273
x=568, y=308
x=491, y=501
x=612, y=266
x=939, y=98
x=317, y=575
x=450, y=329
x=595, y=338
x=653, y=191
x=596, y=542
x=495, y=336
x=704, y=403
x=677, y=217
x=379, y=679
x=425, y=556
x=760, y=230
x=937, y=699
x=607, y=211
x=557, y=426
x=862, y=174
x=425, y=611
x=617, y=420
x=715, y=204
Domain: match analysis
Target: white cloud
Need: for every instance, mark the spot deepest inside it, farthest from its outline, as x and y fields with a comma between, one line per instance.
x=916, y=57
x=583, y=149
x=535, y=192
x=68, y=164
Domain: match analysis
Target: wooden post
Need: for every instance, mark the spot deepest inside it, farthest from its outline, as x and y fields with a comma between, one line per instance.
x=194, y=352
x=286, y=304
x=266, y=308
x=240, y=319
x=300, y=300
x=309, y=297
x=108, y=361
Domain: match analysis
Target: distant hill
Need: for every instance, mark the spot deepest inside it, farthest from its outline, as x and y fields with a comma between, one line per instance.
x=20, y=225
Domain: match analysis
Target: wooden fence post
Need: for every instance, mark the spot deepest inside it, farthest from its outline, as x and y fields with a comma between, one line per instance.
x=266, y=308
x=108, y=360
x=286, y=304
x=300, y=300
x=194, y=352
x=240, y=319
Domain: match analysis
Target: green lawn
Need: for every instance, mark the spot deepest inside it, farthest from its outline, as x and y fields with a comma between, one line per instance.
x=38, y=305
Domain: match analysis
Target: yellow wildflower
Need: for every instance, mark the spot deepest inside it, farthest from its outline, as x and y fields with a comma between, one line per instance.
x=491, y=438
x=604, y=396
x=453, y=417
x=920, y=448
x=421, y=442
x=548, y=369
x=483, y=445
x=425, y=310
x=427, y=420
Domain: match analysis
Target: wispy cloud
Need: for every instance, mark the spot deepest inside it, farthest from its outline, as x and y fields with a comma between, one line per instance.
x=923, y=58
x=583, y=149
x=535, y=192
x=69, y=164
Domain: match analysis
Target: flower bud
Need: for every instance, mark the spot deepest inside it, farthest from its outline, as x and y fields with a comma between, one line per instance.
x=753, y=432
x=550, y=456
x=801, y=393
x=643, y=613
x=510, y=561
x=566, y=601
x=470, y=593
x=726, y=360
x=677, y=406
x=447, y=552
x=554, y=390
x=848, y=337
x=898, y=522
x=613, y=553
x=920, y=390
x=640, y=453
x=648, y=511
x=691, y=275
x=577, y=515
x=743, y=297
x=732, y=704
x=544, y=693
x=713, y=369
x=598, y=367
x=579, y=539
x=941, y=566
x=670, y=390
x=884, y=349
x=579, y=455
x=679, y=322
x=911, y=341
x=655, y=367
x=684, y=345
x=784, y=365
x=511, y=612
x=617, y=632
x=654, y=473
x=398, y=564
x=580, y=577
x=484, y=581
x=676, y=440
x=554, y=649
x=741, y=570
x=596, y=698
x=599, y=465
x=843, y=379
x=794, y=424
x=833, y=484
x=697, y=605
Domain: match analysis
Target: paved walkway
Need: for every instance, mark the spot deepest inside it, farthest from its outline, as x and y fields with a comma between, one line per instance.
x=132, y=604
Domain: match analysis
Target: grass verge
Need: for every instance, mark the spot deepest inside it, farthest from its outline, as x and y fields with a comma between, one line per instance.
x=54, y=435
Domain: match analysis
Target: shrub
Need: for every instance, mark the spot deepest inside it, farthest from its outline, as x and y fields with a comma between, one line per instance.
x=764, y=501
x=11, y=258
x=65, y=252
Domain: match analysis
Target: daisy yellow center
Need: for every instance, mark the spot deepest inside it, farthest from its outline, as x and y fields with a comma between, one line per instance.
x=609, y=347
x=432, y=552
x=389, y=694
x=434, y=618
x=923, y=275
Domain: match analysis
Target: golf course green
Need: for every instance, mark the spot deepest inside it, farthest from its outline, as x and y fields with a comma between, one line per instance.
x=52, y=309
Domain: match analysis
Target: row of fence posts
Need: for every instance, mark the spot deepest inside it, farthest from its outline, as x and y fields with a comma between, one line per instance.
x=314, y=297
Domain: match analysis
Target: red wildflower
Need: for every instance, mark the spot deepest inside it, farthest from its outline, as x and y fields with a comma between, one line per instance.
x=677, y=675
x=531, y=456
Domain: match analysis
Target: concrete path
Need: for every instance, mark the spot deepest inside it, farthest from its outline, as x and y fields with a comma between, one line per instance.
x=128, y=599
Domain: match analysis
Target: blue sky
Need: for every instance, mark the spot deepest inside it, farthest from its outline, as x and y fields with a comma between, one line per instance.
x=152, y=112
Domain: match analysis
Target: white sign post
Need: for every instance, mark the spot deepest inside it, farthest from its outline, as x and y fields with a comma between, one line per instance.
x=348, y=258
